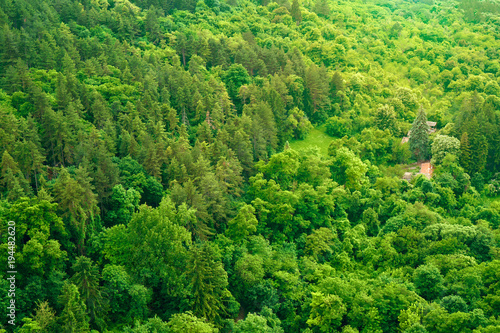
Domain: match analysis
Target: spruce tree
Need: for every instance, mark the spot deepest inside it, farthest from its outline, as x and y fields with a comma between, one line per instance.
x=465, y=154
x=296, y=13
x=478, y=145
x=207, y=281
x=11, y=178
x=479, y=152
x=419, y=136
x=86, y=279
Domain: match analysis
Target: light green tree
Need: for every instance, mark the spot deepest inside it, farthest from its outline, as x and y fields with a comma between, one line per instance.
x=348, y=169
x=327, y=312
x=243, y=224
x=73, y=318
x=443, y=145
x=255, y=323
x=187, y=322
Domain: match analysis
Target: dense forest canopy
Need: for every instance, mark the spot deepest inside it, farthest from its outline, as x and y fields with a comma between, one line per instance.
x=236, y=165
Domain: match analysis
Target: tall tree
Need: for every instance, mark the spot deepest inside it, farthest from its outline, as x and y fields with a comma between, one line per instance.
x=443, y=145
x=296, y=13
x=73, y=318
x=479, y=152
x=465, y=153
x=419, y=136
x=86, y=278
x=153, y=249
x=77, y=203
x=12, y=179
x=317, y=92
x=29, y=152
x=207, y=281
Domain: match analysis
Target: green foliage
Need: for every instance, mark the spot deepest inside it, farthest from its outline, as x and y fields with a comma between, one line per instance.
x=207, y=282
x=86, y=278
x=202, y=112
x=327, y=312
x=348, y=169
x=122, y=205
x=443, y=145
x=187, y=322
x=429, y=281
x=255, y=323
x=73, y=317
x=337, y=127
x=419, y=136
x=243, y=224
x=385, y=118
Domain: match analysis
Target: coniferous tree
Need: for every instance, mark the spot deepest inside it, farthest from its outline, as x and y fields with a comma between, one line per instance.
x=12, y=178
x=77, y=203
x=317, y=91
x=465, y=152
x=419, y=136
x=86, y=278
x=207, y=281
x=296, y=13
x=479, y=152
x=45, y=316
x=29, y=152
x=476, y=132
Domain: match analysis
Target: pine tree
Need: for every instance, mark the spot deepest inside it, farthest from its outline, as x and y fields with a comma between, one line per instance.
x=337, y=86
x=465, y=153
x=296, y=13
x=100, y=110
x=228, y=172
x=86, y=278
x=12, y=178
x=479, y=150
x=419, y=136
x=263, y=129
x=208, y=281
x=29, y=152
x=56, y=137
x=11, y=183
x=478, y=146
x=76, y=202
x=316, y=92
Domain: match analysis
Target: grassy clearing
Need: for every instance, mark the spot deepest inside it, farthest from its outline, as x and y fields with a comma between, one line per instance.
x=317, y=137
x=489, y=200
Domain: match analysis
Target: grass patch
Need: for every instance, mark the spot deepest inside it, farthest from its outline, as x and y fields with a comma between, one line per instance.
x=317, y=137
x=489, y=200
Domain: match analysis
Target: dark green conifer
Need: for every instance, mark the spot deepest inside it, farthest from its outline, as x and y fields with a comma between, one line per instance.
x=465, y=154
x=296, y=13
x=419, y=136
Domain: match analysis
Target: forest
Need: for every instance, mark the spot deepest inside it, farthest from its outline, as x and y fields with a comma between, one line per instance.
x=249, y=166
